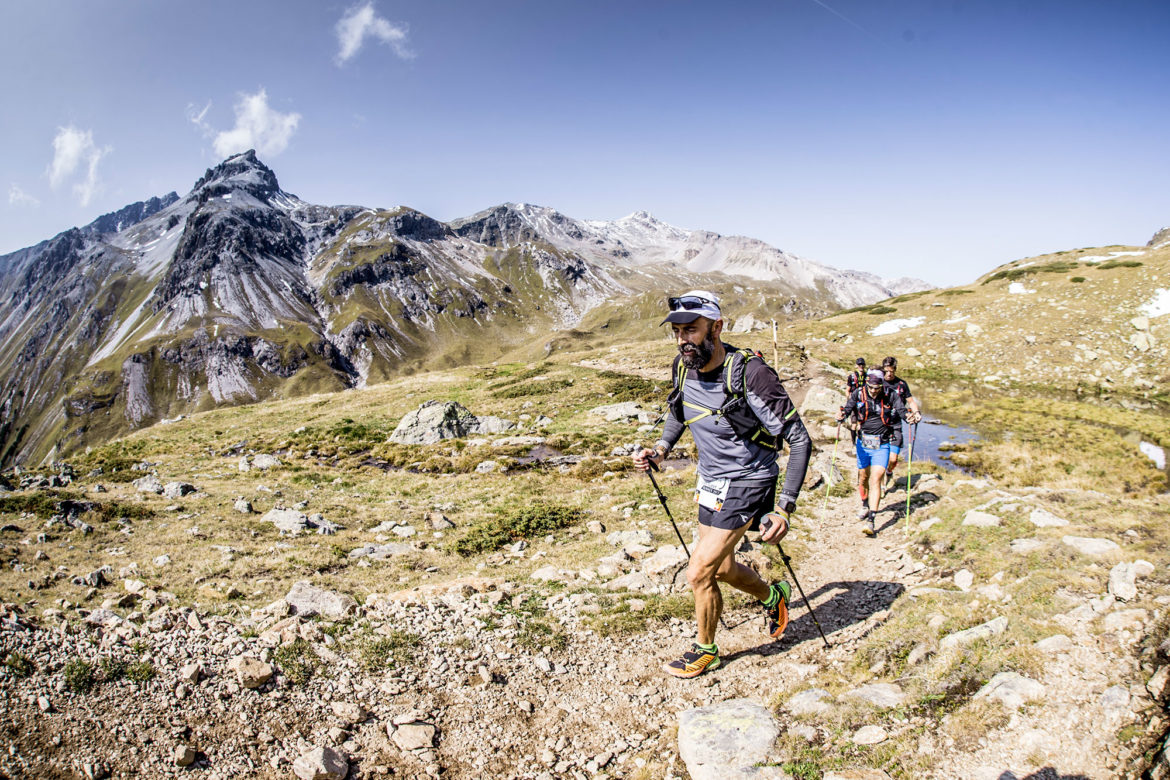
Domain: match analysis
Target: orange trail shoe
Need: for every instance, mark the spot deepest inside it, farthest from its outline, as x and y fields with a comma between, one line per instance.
x=693, y=663
x=776, y=616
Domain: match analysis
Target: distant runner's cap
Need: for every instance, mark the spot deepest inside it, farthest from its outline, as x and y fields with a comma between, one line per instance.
x=689, y=306
x=861, y=361
x=874, y=377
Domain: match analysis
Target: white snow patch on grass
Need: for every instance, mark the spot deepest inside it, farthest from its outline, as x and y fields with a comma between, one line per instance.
x=1158, y=305
x=1015, y=288
x=893, y=326
x=953, y=320
x=1110, y=256
x=1154, y=453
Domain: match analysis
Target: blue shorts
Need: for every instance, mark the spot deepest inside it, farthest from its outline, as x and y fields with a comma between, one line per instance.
x=879, y=457
x=894, y=448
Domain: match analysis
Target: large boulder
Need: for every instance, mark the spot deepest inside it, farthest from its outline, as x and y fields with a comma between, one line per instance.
x=322, y=763
x=492, y=424
x=729, y=740
x=1091, y=545
x=310, y=600
x=287, y=521
x=668, y=565
x=982, y=631
x=434, y=421
x=1013, y=689
x=825, y=400
x=250, y=671
x=622, y=412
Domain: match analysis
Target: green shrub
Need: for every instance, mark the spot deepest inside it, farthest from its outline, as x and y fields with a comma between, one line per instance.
x=297, y=661
x=527, y=522
x=19, y=665
x=882, y=310
x=1120, y=264
x=535, y=634
x=349, y=431
x=524, y=389
x=616, y=619
x=625, y=387
x=1077, y=279
x=79, y=676
x=375, y=653
x=139, y=671
x=1011, y=274
x=956, y=292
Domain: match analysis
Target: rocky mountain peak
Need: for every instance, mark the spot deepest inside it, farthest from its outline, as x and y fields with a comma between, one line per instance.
x=1161, y=237
x=241, y=172
x=129, y=215
x=503, y=225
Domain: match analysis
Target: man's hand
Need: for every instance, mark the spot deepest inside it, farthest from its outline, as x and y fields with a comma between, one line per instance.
x=774, y=526
x=914, y=417
x=645, y=456
x=840, y=414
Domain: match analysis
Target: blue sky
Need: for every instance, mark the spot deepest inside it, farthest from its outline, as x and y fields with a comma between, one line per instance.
x=923, y=138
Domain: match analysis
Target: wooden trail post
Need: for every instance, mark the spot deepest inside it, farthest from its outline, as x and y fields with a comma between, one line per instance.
x=775, y=349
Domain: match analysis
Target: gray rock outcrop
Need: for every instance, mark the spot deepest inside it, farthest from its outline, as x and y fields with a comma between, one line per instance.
x=322, y=763
x=1011, y=688
x=435, y=421
x=308, y=600
x=728, y=740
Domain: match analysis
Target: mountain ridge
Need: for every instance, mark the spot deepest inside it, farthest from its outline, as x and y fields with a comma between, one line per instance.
x=240, y=290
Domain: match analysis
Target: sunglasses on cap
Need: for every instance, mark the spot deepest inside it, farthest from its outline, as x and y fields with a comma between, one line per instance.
x=689, y=302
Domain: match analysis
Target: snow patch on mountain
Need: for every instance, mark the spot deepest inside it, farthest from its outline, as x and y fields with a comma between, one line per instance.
x=893, y=326
x=1158, y=305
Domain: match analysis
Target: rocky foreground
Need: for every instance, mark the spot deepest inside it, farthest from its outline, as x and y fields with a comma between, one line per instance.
x=457, y=680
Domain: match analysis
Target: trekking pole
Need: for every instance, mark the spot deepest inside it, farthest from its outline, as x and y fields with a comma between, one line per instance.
x=808, y=604
x=662, y=500
x=832, y=468
x=909, y=469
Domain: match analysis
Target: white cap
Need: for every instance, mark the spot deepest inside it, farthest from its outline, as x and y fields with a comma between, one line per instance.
x=689, y=306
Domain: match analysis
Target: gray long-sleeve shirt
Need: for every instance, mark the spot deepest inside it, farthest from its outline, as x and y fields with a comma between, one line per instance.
x=724, y=454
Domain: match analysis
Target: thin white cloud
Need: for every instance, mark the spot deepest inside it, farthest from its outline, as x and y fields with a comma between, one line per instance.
x=257, y=127
x=73, y=148
x=361, y=22
x=18, y=197
x=198, y=117
x=89, y=186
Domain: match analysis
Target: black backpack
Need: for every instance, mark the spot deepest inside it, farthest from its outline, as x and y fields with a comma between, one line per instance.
x=735, y=409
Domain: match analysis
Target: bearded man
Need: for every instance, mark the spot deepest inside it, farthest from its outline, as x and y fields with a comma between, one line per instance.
x=740, y=416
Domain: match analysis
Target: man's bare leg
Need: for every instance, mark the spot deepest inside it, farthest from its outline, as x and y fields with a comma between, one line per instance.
x=876, y=473
x=713, y=560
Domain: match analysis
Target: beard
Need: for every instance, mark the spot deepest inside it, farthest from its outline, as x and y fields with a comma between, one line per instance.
x=698, y=355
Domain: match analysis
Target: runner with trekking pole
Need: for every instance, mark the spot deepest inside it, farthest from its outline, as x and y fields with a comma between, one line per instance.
x=878, y=412
x=895, y=385
x=910, y=468
x=740, y=416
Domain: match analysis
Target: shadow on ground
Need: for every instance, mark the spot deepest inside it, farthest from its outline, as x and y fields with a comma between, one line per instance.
x=850, y=602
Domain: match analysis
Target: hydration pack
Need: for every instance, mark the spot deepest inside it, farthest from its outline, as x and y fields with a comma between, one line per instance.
x=735, y=408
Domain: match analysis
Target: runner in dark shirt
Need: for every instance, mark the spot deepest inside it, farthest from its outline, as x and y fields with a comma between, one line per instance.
x=737, y=475
x=895, y=385
x=856, y=378
x=879, y=413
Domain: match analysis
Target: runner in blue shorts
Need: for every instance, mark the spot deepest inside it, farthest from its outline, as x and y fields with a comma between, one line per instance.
x=896, y=385
x=878, y=413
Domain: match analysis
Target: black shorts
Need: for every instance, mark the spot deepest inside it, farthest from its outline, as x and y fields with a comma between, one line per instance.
x=746, y=502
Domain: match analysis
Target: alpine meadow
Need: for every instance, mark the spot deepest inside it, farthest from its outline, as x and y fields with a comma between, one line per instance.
x=352, y=487
x=585, y=390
